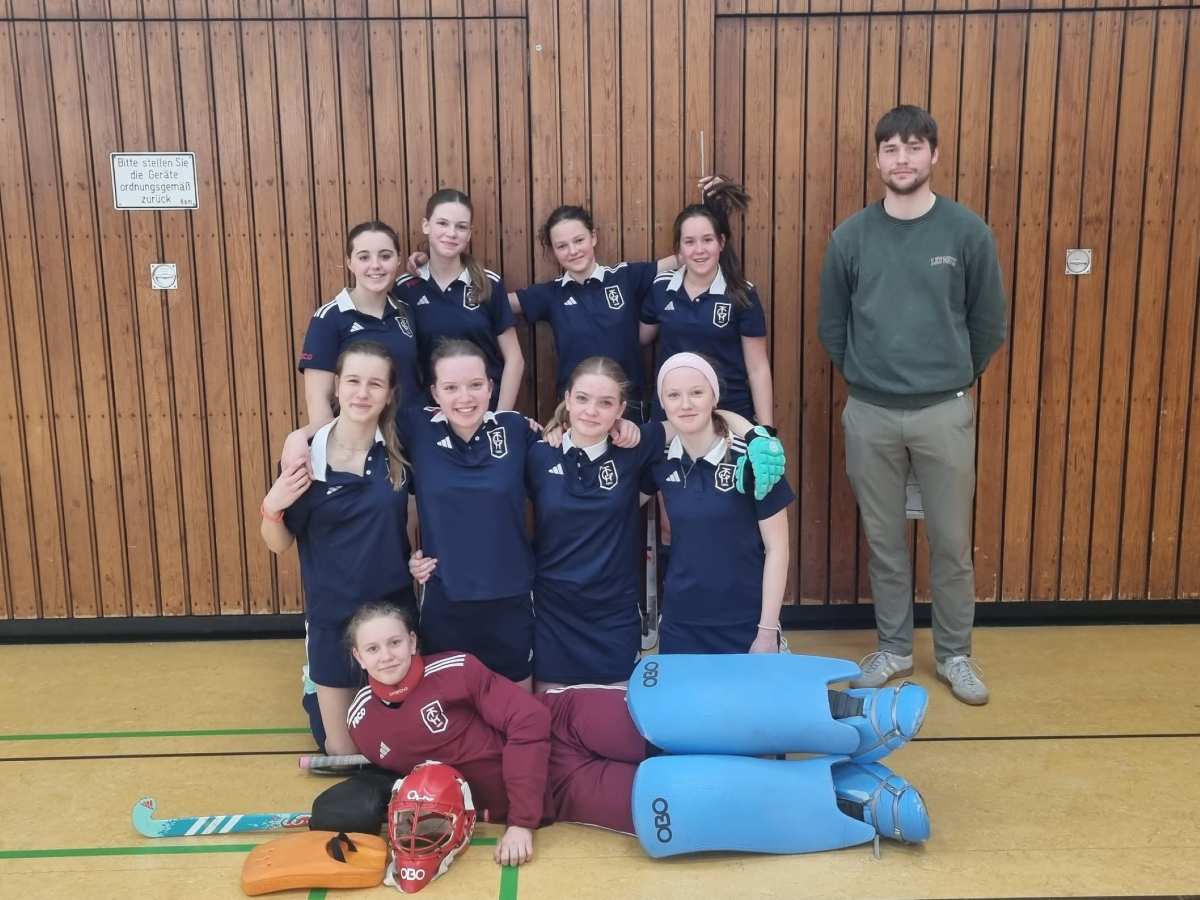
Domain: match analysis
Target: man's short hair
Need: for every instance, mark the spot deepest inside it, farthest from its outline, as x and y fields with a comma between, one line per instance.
x=908, y=122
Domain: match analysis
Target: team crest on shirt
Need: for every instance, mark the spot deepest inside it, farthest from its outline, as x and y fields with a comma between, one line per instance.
x=403, y=322
x=469, y=301
x=498, y=442
x=608, y=475
x=724, y=479
x=434, y=718
x=613, y=296
x=722, y=313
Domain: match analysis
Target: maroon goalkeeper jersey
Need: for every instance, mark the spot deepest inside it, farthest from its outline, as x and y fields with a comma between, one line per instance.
x=463, y=714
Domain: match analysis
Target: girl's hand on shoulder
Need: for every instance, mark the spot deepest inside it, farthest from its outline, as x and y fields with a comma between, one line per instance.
x=625, y=434
x=295, y=452
x=765, y=642
x=534, y=425
x=552, y=434
x=515, y=847
x=415, y=261
x=288, y=488
x=421, y=567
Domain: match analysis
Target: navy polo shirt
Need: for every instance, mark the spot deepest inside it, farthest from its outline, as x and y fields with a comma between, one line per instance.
x=712, y=325
x=585, y=503
x=351, y=531
x=717, y=553
x=598, y=317
x=339, y=323
x=471, y=497
x=456, y=313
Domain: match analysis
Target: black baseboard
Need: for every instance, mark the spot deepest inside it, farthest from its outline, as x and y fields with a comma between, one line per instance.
x=1041, y=612
x=151, y=628
x=842, y=615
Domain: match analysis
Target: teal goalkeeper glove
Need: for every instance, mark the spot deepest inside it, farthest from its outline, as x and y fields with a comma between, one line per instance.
x=767, y=461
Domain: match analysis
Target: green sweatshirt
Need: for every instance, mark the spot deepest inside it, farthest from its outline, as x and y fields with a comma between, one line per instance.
x=911, y=309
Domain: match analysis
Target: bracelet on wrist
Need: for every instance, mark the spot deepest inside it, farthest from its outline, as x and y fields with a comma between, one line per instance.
x=769, y=628
x=270, y=517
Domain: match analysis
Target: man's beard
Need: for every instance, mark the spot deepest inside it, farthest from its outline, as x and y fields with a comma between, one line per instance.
x=905, y=190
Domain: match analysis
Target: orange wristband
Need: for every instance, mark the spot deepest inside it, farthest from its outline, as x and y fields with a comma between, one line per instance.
x=278, y=517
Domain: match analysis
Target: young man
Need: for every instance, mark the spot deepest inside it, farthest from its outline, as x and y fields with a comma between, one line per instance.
x=912, y=308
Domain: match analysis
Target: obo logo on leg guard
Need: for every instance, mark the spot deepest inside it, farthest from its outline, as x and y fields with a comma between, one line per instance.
x=662, y=820
x=650, y=675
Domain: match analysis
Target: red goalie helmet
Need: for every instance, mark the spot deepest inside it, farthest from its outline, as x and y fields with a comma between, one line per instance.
x=430, y=820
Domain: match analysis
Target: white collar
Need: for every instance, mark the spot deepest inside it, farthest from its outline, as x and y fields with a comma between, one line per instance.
x=594, y=452
x=318, y=451
x=464, y=276
x=345, y=303
x=715, y=454
x=489, y=417
x=597, y=273
x=717, y=287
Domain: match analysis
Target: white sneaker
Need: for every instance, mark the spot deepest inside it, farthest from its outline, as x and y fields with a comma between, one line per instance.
x=963, y=675
x=880, y=667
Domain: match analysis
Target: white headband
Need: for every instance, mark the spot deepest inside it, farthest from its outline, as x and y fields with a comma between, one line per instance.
x=690, y=361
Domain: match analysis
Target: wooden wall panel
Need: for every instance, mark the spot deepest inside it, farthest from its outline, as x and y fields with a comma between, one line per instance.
x=1172, y=535
x=1108, y=31
x=1059, y=311
x=148, y=422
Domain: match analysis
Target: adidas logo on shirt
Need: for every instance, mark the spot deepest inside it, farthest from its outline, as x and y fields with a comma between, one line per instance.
x=424, y=301
x=355, y=327
x=384, y=749
x=670, y=307
x=674, y=476
x=570, y=301
x=557, y=469
x=445, y=442
x=333, y=490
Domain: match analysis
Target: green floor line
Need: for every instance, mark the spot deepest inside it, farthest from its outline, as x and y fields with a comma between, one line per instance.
x=508, y=883
x=149, y=850
x=125, y=851
x=508, y=874
x=202, y=732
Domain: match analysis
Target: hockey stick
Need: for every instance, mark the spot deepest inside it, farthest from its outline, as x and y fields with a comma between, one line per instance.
x=650, y=614
x=332, y=765
x=189, y=826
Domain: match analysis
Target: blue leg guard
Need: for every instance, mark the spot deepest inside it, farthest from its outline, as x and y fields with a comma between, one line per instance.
x=688, y=804
x=889, y=803
x=761, y=704
x=891, y=717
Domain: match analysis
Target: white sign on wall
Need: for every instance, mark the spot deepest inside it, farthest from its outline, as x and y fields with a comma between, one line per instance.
x=154, y=180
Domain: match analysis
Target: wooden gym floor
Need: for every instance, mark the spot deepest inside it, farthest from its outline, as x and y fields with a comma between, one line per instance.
x=1081, y=778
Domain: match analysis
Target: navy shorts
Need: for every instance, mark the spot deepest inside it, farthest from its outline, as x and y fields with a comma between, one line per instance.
x=686, y=637
x=329, y=661
x=576, y=641
x=499, y=632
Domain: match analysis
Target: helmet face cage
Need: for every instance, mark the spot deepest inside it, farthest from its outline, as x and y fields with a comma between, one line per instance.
x=421, y=831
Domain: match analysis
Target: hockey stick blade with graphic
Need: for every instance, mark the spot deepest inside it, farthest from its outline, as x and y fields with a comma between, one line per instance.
x=190, y=826
x=332, y=765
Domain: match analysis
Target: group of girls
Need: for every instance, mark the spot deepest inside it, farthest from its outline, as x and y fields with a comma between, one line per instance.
x=422, y=370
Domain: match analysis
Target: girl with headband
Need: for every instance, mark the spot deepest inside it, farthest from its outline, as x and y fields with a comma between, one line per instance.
x=729, y=557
